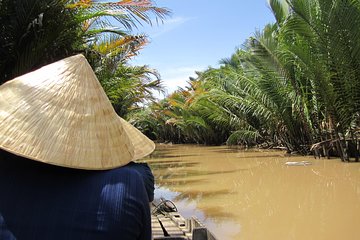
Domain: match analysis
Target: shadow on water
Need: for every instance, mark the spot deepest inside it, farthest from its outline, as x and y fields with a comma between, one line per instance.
x=168, y=182
x=183, y=176
x=259, y=156
x=198, y=195
x=167, y=152
x=165, y=155
x=229, y=150
x=181, y=173
x=217, y=213
x=171, y=165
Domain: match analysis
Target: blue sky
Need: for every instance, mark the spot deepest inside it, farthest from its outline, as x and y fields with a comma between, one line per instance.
x=198, y=34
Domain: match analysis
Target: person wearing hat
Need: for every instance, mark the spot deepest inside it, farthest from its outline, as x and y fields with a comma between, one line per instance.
x=67, y=166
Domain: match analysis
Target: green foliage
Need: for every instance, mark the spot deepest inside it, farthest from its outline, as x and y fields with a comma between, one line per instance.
x=129, y=88
x=293, y=84
x=37, y=32
x=33, y=33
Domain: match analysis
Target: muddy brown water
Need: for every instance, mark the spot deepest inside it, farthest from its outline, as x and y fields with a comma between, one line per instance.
x=254, y=195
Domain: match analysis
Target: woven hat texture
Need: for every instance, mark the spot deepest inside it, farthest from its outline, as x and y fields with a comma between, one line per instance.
x=59, y=114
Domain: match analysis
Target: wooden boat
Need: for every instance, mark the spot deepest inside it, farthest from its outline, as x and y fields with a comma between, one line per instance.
x=167, y=223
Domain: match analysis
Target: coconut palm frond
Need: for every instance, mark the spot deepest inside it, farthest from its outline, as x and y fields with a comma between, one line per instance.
x=244, y=137
x=280, y=10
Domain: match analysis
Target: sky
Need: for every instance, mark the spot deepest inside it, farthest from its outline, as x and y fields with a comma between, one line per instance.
x=197, y=35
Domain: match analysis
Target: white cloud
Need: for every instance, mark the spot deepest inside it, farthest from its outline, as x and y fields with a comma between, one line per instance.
x=178, y=77
x=176, y=20
x=167, y=26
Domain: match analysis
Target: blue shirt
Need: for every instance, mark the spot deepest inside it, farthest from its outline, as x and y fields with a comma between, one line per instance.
x=40, y=201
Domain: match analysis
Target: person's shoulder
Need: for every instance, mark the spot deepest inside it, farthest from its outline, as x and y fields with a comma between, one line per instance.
x=124, y=173
x=142, y=168
x=126, y=170
x=147, y=176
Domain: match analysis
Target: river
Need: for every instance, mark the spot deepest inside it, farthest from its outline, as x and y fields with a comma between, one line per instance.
x=254, y=195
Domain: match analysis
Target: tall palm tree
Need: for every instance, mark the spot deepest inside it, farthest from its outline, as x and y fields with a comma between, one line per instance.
x=37, y=32
x=330, y=29
x=33, y=33
x=295, y=84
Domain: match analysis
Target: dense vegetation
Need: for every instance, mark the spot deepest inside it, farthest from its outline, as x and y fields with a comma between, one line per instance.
x=295, y=84
x=38, y=32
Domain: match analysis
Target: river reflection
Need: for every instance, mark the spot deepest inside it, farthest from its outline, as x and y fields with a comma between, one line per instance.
x=253, y=195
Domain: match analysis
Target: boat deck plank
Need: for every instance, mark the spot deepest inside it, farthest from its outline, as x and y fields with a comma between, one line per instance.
x=173, y=226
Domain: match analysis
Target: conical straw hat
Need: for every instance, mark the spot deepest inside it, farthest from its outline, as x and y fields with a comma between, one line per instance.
x=59, y=114
x=142, y=145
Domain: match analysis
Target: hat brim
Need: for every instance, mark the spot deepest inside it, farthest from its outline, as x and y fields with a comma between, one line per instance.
x=60, y=115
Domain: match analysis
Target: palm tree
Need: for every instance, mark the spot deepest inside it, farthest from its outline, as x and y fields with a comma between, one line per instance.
x=107, y=26
x=233, y=109
x=37, y=32
x=34, y=33
x=295, y=83
x=109, y=49
x=130, y=88
x=331, y=68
